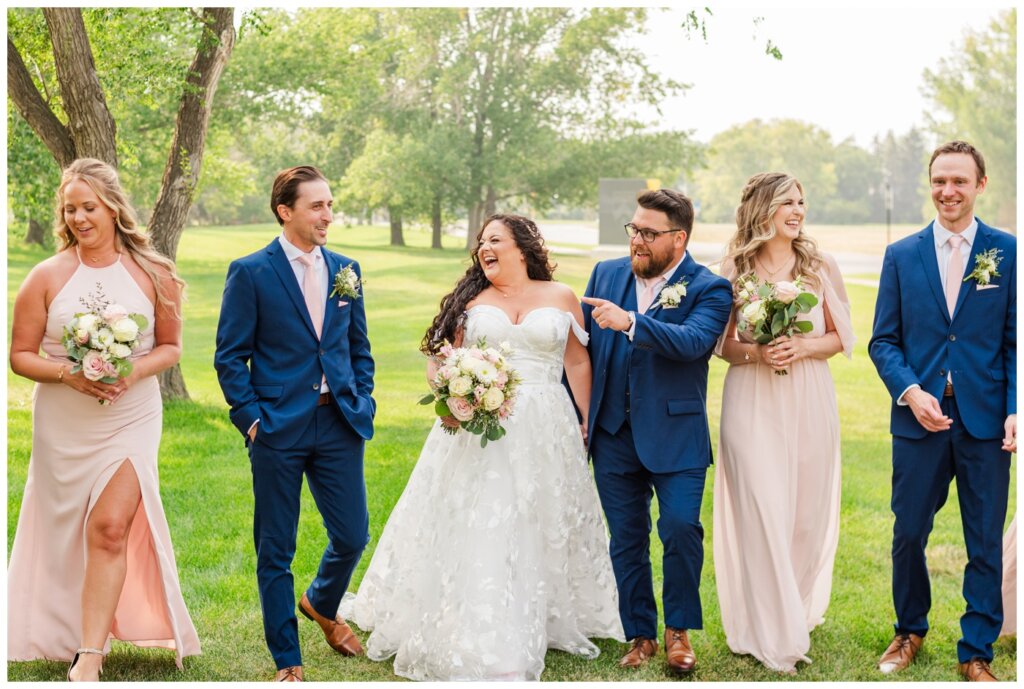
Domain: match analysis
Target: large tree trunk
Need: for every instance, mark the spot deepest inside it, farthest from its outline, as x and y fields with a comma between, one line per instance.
x=172, y=384
x=29, y=102
x=476, y=217
x=36, y=233
x=89, y=121
x=181, y=176
x=395, y=218
x=435, y=223
x=491, y=203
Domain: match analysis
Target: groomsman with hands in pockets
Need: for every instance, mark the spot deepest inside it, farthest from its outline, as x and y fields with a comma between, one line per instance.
x=293, y=359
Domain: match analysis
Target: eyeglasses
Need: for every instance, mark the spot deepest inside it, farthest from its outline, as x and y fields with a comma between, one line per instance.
x=645, y=234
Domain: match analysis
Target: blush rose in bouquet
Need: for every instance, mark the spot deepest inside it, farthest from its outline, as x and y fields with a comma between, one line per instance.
x=769, y=310
x=100, y=340
x=474, y=389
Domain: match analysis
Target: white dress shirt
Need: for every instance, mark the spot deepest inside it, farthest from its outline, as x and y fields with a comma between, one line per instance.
x=293, y=252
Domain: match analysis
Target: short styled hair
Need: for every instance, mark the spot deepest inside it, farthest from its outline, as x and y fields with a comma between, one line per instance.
x=960, y=147
x=286, y=186
x=673, y=204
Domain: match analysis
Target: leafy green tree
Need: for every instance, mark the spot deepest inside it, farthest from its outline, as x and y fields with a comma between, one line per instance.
x=901, y=163
x=857, y=179
x=32, y=177
x=799, y=148
x=975, y=92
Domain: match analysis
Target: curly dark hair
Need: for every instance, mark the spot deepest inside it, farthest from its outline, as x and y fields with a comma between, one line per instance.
x=453, y=305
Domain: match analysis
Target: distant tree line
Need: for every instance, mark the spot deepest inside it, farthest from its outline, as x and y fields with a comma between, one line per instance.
x=843, y=183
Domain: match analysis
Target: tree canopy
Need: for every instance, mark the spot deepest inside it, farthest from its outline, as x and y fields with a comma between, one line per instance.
x=975, y=94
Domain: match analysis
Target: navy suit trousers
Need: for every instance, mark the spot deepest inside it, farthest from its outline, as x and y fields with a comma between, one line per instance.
x=626, y=487
x=330, y=454
x=922, y=472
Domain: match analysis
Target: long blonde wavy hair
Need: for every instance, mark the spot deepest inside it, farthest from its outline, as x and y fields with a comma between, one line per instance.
x=103, y=180
x=761, y=197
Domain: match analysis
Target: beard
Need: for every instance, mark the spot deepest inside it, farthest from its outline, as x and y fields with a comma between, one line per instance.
x=654, y=265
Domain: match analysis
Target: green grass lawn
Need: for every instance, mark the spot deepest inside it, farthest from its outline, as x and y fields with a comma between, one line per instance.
x=206, y=489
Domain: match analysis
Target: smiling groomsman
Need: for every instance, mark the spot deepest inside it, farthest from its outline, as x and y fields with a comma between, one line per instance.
x=293, y=359
x=944, y=342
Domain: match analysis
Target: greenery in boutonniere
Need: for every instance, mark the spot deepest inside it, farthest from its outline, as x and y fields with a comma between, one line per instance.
x=986, y=267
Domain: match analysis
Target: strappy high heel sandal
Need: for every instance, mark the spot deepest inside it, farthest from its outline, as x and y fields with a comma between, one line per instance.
x=79, y=652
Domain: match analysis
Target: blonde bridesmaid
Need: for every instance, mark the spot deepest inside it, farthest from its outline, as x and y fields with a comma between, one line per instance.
x=776, y=495
x=92, y=558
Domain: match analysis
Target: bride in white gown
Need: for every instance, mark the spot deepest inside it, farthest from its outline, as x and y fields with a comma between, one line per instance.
x=494, y=555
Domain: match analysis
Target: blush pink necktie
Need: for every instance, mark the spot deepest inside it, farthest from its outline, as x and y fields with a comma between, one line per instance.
x=954, y=272
x=311, y=293
x=647, y=296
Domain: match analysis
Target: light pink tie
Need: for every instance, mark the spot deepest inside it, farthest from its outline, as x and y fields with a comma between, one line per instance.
x=311, y=291
x=954, y=272
x=647, y=296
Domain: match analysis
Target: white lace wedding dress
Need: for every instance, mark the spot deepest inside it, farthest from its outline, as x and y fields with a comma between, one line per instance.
x=494, y=555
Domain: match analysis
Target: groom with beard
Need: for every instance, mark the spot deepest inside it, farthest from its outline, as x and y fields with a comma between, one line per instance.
x=658, y=315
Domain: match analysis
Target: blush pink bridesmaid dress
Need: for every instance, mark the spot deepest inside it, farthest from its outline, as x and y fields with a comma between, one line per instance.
x=776, y=494
x=77, y=445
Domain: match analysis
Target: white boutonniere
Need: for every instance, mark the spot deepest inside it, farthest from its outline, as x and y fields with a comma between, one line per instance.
x=346, y=283
x=986, y=267
x=671, y=295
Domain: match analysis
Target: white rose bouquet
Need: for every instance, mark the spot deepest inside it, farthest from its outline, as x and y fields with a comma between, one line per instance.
x=100, y=340
x=474, y=388
x=769, y=310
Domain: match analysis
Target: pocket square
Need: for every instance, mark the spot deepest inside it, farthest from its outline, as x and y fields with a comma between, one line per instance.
x=981, y=287
x=342, y=302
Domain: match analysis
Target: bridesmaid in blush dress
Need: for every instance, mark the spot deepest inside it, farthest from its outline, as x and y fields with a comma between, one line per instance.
x=776, y=495
x=92, y=557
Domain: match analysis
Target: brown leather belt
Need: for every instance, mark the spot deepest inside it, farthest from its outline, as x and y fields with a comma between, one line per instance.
x=948, y=392
x=325, y=398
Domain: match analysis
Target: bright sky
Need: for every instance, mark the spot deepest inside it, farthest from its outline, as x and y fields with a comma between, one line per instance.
x=853, y=72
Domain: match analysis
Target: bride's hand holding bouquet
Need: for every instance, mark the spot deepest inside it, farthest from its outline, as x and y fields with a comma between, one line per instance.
x=473, y=389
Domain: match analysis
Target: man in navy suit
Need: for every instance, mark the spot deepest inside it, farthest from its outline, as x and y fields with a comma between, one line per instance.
x=944, y=342
x=658, y=314
x=293, y=359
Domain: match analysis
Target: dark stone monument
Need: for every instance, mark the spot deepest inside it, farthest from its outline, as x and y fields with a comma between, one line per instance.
x=616, y=201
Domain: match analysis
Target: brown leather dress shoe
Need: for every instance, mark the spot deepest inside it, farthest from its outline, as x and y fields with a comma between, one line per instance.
x=900, y=654
x=680, y=654
x=339, y=635
x=642, y=651
x=977, y=670
x=289, y=674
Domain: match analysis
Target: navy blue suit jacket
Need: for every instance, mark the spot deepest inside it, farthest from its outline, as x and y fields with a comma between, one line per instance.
x=269, y=361
x=914, y=340
x=666, y=364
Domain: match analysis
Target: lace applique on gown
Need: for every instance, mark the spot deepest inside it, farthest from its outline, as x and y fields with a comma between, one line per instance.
x=494, y=555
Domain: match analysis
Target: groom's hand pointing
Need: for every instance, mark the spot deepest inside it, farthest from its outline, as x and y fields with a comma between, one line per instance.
x=608, y=315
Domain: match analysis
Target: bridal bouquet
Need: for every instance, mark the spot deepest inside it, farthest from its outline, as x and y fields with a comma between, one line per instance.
x=769, y=310
x=474, y=389
x=100, y=339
